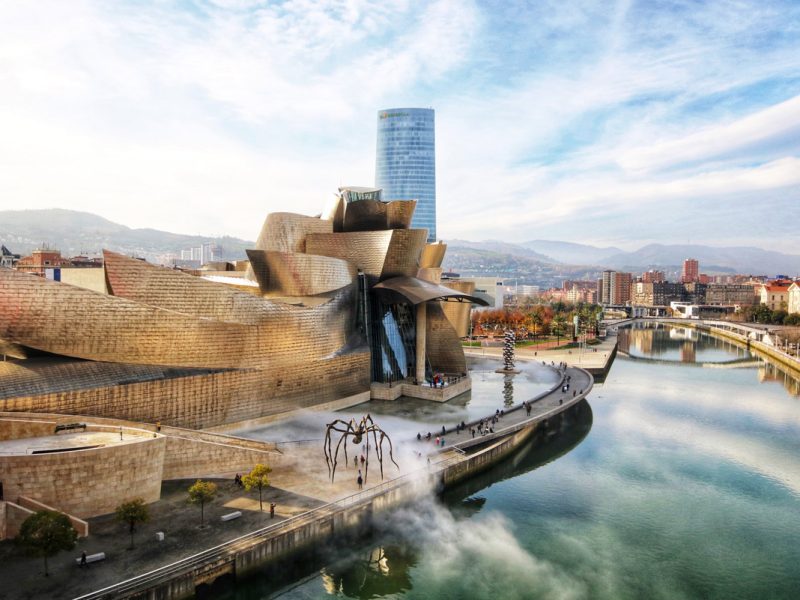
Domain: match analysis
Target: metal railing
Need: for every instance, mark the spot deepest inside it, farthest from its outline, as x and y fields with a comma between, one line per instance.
x=227, y=550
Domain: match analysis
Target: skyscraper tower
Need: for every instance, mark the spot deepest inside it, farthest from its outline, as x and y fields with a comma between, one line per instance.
x=691, y=271
x=405, y=163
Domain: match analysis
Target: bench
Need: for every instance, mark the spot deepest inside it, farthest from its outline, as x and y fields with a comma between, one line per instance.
x=90, y=558
x=68, y=426
x=231, y=516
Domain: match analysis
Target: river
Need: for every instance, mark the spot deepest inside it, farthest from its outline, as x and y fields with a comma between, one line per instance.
x=677, y=479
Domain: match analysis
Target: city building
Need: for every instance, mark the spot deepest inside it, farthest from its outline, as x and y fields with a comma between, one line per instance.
x=653, y=276
x=794, y=297
x=615, y=288
x=691, y=271
x=529, y=291
x=775, y=294
x=689, y=310
x=694, y=292
x=331, y=309
x=731, y=294
x=405, y=162
x=40, y=261
x=660, y=293
x=8, y=259
x=490, y=289
x=201, y=255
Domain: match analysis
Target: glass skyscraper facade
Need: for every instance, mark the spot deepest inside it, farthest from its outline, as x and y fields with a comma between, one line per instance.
x=405, y=165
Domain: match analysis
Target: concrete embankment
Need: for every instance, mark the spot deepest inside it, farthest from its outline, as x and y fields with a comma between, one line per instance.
x=596, y=359
x=354, y=513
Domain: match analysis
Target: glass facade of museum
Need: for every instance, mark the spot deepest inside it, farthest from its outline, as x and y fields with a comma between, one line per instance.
x=405, y=165
x=393, y=343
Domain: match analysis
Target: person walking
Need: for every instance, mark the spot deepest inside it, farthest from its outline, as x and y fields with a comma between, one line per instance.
x=271, y=510
x=360, y=481
x=83, y=560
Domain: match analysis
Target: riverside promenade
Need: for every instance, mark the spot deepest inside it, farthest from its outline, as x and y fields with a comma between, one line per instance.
x=342, y=511
x=595, y=359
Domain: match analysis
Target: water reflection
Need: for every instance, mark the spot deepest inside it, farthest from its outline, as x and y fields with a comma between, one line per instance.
x=508, y=390
x=677, y=483
x=670, y=343
x=385, y=567
x=382, y=571
x=678, y=344
x=775, y=373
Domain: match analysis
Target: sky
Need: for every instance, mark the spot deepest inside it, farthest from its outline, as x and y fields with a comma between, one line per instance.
x=611, y=123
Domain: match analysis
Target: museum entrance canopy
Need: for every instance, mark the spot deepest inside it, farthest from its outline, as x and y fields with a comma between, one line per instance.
x=416, y=291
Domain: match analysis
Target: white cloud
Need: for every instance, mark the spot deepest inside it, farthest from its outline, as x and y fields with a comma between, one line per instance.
x=159, y=115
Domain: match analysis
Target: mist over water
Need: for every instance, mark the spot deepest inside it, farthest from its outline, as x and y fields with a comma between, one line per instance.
x=674, y=481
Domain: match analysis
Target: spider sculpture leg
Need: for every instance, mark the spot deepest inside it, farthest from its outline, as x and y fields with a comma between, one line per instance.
x=330, y=456
x=343, y=440
x=391, y=449
x=378, y=449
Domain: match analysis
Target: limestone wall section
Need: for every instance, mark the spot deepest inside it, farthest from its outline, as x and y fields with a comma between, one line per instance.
x=187, y=458
x=13, y=429
x=81, y=526
x=87, y=482
x=90, y=278
x=15, y=516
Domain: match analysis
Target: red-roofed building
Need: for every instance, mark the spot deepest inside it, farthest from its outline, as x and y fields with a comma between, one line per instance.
x=40, y=260
x=775, y=294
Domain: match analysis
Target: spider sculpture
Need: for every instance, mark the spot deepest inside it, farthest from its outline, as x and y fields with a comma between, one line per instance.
x=356, y=431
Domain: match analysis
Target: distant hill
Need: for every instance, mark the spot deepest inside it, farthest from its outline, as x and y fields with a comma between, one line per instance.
x=571, y=253
x=735, y=259
x=499, y=248
x=75, y=232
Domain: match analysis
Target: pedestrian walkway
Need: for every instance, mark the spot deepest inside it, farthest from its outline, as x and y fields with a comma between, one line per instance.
x=595, y=359
x=544, y=405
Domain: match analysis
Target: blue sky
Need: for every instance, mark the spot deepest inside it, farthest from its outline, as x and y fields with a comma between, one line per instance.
x=602, y=122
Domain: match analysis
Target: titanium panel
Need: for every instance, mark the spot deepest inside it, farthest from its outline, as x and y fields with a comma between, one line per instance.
x=444, y=350
x=291, y=274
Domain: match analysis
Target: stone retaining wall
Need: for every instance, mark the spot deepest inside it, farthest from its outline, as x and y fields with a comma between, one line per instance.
x=81, y=526
x=14, y=429
x=383, y=391
x=14, y=517
x=88, y=482
x=187, y=458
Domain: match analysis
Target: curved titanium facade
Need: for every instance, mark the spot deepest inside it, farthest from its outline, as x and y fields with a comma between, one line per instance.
x=162, y=345
x=405, y=164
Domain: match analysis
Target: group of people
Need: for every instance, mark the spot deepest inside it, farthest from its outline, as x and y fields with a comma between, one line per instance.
x=437, y=381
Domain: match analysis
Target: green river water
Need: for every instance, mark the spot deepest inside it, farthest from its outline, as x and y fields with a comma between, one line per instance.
x=675, y=480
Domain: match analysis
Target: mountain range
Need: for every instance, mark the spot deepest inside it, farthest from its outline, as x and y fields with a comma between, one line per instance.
x=713, y=260
x=75, y=232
